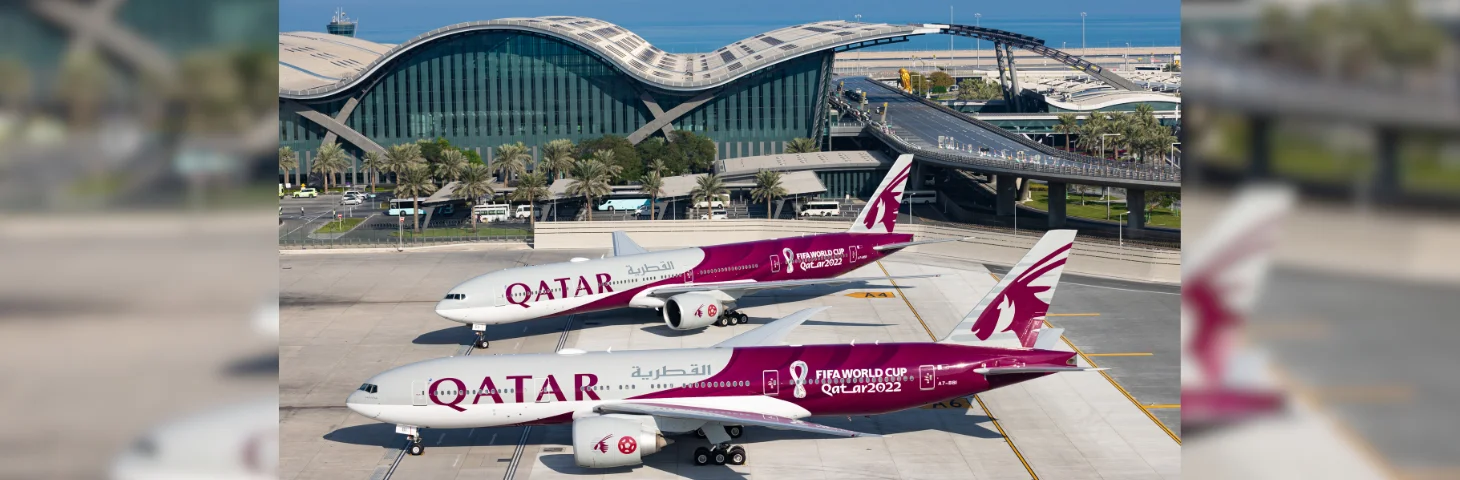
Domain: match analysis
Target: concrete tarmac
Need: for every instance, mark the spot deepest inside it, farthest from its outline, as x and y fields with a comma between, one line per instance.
x=345, y=317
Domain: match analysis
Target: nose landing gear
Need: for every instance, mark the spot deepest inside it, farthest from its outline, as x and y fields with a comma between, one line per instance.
x=481, y=341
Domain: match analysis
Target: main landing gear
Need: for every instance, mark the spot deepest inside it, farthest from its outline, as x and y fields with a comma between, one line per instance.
x=481, y=330
x=731, y=318
x=720, y=451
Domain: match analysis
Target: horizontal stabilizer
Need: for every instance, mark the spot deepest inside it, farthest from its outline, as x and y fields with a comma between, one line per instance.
x=1009, y=370
x=1048, y=337
x=895, y=246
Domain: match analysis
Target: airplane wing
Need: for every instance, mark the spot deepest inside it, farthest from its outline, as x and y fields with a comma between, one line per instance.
x=751, y=286
x=1008, y=370
x=729, y=417
x=623, y=245
x=771, y=333
x=893, y=246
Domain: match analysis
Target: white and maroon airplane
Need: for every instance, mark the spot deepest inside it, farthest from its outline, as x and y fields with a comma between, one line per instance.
x=693, y=287
x=622, y=403
x=1223, y=383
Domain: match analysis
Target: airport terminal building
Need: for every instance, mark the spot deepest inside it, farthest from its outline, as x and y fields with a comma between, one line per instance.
x=534, y=80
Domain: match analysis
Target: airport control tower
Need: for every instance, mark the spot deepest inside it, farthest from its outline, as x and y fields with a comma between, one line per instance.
x=342, y=25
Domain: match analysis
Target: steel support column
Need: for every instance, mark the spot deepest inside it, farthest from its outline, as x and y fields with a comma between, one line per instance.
x=1013, y=92
x=1135, y=203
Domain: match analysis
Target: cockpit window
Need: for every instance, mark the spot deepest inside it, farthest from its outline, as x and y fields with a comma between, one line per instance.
x=456, y=296
x=368, y=388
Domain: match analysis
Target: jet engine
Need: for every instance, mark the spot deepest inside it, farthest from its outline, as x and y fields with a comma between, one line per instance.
x=689, y=311
x=603, y=442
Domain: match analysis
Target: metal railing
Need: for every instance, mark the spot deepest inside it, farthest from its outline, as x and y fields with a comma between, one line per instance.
x=1049, y=161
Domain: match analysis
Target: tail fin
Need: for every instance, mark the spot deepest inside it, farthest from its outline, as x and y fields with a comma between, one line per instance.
x=1013, y=312
x=1221, y=280
x=880, y=213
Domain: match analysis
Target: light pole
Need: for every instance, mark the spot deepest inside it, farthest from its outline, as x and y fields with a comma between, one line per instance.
x=859, y=51
x=1120, y=226
x=1173, y=154
x=977, y=43
x=950, y=40
x=1082, y=35
x=1102, y=143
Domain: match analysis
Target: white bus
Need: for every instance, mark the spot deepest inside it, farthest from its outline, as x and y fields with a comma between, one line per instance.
x=403, y=206
x=496, y=212
x=920, y=196
x=821, y=208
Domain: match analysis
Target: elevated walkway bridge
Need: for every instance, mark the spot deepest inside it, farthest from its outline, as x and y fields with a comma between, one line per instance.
x=940, y=136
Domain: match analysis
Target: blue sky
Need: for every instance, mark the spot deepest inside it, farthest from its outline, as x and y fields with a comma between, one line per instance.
x=701, y=26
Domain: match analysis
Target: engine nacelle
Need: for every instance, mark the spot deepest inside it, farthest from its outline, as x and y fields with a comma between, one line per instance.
x=689, y=311
x=603, y=442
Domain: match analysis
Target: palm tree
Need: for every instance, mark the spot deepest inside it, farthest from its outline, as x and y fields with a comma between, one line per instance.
x=451, y=165
x=606, y=158
x=329, y=159
x=289, y=160
x=767, y=187
x=476, y=182
x=653, y=185
x=531, y=188
x=1068, y=124
x=557, y=156
x=415, y=182
x=658, y=166
x=512, y=158
x=707, y=188
x=590, y=179
x=374, y=162
x=801, y=145
x=402, y=157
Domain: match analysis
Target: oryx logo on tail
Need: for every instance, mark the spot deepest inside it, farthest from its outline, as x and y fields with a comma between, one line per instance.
x=880, y=214
x=1013, y=312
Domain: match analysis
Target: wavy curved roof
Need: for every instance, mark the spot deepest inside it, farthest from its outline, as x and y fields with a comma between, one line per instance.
x=632, y=54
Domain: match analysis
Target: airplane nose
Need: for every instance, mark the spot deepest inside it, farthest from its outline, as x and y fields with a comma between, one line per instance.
x=358, y=404
x=453, y=314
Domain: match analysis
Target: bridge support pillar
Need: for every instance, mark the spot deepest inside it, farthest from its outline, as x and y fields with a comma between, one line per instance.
x=1057, y=195
x=1004, y=199
x=1385, y=180
x=1135, y=203
x=1259, y=133
x=1024, y=190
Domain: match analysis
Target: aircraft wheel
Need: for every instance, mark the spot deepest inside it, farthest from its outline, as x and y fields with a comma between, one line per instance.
x=737, y=456
x=720, y=322
x=702, y=456
x=483, y=343
x=416, y=449
x=719, y=456
x=734, y=431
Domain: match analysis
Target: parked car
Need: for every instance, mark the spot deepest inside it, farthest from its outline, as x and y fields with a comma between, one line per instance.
x=715, y=214
x=352, y=200
x=354, y=193
x=306, y=193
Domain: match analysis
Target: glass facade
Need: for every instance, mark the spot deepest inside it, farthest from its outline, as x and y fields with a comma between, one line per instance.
x=857, y=183
x=483, y=89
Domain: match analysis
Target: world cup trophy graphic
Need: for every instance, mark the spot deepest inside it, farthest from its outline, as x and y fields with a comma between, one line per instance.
x=798, y=377
x=790, y=266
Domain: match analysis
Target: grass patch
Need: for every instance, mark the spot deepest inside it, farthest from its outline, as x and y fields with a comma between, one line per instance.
x=339, y=226
x=1094, y=208
x=465, y=232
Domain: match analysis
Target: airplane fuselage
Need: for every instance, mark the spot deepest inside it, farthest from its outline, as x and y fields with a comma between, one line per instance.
x=791, y=381
x=517, y=294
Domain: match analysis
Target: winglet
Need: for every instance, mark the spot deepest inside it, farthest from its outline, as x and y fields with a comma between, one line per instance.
x=771, y=333
x=880, y=213
x=623, y=245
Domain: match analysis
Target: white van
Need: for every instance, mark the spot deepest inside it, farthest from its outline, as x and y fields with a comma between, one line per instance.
x=523, y=211
x=821, y=209
x=717, y=202
x=497, y=212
